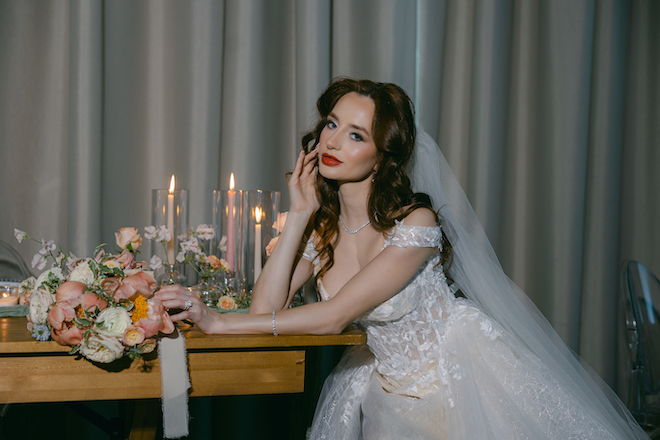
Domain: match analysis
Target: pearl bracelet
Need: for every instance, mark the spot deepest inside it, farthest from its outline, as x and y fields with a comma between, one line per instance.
x=274, y=331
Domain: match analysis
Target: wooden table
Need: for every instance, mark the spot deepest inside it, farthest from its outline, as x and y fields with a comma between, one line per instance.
x=219, y=365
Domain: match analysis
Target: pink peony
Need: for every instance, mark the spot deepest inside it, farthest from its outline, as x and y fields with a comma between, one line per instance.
x=138, y=283
x=67, y=336
x=90, y=300
x=109, y=285
x=69, y=289
x=63, y=311
x=157, y=320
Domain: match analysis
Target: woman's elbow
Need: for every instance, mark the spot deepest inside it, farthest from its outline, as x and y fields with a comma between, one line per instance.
x=335, y=325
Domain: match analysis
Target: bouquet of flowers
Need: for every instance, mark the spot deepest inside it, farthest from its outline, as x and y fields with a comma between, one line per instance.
x=103, y=307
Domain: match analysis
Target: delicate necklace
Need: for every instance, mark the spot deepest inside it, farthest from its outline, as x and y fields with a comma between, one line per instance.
x=353, y=231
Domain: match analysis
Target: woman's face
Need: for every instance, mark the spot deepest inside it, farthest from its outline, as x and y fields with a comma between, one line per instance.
x=347, y=152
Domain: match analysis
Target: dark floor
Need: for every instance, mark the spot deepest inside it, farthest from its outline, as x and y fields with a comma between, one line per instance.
x=243, y=417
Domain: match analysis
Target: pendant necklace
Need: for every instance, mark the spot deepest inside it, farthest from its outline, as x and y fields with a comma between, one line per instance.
x=352, y=231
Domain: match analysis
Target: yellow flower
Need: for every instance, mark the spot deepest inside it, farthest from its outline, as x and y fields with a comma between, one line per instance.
x=140, y=308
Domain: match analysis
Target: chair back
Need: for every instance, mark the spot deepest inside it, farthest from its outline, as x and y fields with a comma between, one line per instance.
x=12, y=265
x=641, y=290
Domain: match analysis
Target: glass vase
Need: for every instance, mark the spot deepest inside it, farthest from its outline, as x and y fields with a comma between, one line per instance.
x=228, y=224
x=260, y=216
x=207, y=291
x=170, y=209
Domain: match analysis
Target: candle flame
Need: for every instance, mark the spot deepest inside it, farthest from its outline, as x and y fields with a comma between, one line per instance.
x=257, y=214
x=172, y=184
x=231, y=182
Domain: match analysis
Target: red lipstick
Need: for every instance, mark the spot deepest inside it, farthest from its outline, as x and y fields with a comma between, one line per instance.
x=329, y=160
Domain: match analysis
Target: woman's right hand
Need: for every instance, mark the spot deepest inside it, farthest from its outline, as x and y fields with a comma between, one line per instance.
x=302, y=184
x=189, y=306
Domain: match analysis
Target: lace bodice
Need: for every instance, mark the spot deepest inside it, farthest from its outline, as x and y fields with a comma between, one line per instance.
x=405, y=332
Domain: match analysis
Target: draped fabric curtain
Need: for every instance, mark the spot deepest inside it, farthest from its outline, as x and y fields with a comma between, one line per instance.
x=545, y=109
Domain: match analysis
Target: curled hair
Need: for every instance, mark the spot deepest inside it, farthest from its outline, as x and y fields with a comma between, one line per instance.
x=391, y=197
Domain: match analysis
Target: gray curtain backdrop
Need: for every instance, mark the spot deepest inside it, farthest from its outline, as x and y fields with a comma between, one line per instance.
x=546, y=110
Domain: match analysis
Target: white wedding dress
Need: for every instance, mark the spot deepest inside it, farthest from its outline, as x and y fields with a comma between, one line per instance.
x=436, y=367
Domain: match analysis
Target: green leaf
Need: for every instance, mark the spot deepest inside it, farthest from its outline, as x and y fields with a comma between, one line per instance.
x=98, y=248
x=82, y=322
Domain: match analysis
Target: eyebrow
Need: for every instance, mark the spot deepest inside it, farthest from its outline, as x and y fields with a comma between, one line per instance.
x=357, y=127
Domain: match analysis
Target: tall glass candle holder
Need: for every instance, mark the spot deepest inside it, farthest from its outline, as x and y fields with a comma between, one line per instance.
x=228, y=242
x=260, y=209
x=169, y=208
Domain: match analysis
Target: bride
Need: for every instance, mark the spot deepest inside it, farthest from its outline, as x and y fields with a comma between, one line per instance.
x=455, y=350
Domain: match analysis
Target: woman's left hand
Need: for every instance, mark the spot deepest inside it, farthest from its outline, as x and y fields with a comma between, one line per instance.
x=187, y=305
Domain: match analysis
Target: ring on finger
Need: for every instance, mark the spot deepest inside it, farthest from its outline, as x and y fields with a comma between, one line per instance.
x=187, y=305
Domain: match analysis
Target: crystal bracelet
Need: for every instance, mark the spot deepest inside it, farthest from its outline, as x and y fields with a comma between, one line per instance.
x=274, y=331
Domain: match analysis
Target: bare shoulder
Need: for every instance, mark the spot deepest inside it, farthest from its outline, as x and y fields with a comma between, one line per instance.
x=421, y=217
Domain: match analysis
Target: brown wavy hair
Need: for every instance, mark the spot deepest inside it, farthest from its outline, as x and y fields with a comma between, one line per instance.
x=391, y=197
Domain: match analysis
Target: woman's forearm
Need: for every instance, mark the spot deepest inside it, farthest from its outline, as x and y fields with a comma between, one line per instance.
x=310, y=319
x=271, y=290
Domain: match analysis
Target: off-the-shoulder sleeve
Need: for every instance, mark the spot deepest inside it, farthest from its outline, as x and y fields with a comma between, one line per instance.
x=310, y=253
x=413, y=236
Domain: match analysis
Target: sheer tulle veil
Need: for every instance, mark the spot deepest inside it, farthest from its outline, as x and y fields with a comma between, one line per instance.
x=478, y=274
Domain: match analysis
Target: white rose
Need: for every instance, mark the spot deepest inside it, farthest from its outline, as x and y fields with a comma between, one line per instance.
x=44, y=276
x=102, y=348
x=113, y=321
x=40, y=301
x=83, y=273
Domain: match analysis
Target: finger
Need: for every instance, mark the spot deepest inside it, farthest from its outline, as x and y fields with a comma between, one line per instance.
x=181, y=316
x=299, y=161
x=168, y=295
x=312, y=154
x=297, y=169
x=173, y=302
x=309, y=167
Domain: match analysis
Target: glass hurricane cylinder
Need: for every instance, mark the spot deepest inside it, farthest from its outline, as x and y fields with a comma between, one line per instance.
x=260, y=211
x=169, y=208
x=228, y=241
